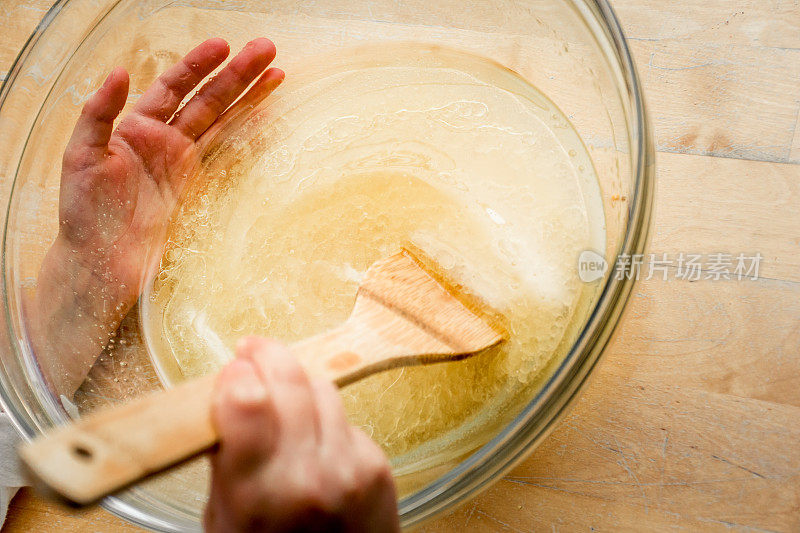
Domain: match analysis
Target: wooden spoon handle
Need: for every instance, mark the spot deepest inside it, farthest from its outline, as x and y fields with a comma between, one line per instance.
x=112, y=448
x=109, y=449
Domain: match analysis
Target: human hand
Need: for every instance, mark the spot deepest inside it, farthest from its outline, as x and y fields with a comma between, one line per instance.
x=288, y=460
x=118, y=188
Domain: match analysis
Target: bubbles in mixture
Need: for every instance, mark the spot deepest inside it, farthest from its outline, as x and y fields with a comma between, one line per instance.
x=350, y=160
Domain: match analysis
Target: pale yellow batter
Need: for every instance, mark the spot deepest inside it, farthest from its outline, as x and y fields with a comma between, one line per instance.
x=354, y=157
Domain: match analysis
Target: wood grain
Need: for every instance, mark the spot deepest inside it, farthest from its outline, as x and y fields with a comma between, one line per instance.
x=693, y=418
x=722, y=78
x=708, y=205
x=28, y=513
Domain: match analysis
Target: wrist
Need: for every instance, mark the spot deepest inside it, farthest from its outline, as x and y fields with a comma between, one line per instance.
x=76, y=310
x=92, y=275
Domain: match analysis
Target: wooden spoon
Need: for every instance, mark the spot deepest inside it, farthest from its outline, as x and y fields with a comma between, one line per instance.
x=402, y=316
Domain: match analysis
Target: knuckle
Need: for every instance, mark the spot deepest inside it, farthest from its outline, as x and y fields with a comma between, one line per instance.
x=171, y=93
x=95, y=111
x=193, y=70
x=211, y=99
x=374, y=463
x=309, y=492
x=362, y=479
x=383, y=475
x=351, y=486
x=240, y=69
x=246, y=345
x=191, y=130
x=379, y=472
x=129, y=125
x=295, y=375
x=249, y=406
x=275, y=359
x=369, y=469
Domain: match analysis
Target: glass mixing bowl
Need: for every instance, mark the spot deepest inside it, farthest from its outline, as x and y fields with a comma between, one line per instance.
x=573, y=51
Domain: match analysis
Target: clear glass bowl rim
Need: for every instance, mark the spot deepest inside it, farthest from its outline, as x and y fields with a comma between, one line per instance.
x=541, y=415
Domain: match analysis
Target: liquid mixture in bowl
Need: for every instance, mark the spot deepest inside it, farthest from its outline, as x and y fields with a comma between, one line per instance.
x=352, y=158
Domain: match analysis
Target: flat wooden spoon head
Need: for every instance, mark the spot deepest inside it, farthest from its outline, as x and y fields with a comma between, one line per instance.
x=403, y=315
x=438, y=323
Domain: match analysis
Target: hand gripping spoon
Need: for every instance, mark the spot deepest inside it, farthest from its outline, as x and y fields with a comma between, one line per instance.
x=402, y=316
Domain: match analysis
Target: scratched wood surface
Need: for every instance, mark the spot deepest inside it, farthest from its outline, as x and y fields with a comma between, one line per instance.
x=692, y=421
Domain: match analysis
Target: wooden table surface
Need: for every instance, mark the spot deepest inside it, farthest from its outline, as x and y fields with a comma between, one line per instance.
x=692, y=420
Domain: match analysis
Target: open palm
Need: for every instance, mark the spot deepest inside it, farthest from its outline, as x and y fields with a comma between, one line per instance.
x=119, y=186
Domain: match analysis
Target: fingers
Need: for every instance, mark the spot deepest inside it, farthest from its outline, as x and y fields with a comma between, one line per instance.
x=377, y=508
x=288, y=458
x=244, y=417
x=291, y=393
x=263, y=403
x=262, y=88
x=164, y=96
x=96, y=123
x=335, y=431
x=221, y=91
